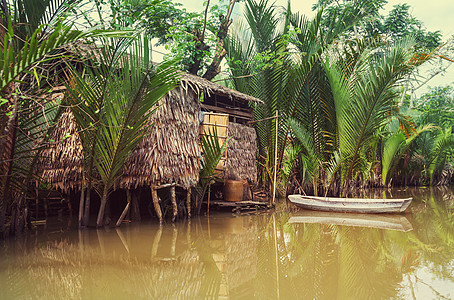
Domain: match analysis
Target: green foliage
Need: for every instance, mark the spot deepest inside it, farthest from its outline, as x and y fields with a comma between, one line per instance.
x=397, y=24
x=295, y=82
x=31, y=31
x=400, y=23
x=395, y=147
x=23, y=46
x=112, y=107
x=190, y=37
x=437, y=106
x=212, y=152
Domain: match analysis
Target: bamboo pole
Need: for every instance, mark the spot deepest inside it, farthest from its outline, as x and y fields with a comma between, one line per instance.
x=275, y=160
x=256, y=121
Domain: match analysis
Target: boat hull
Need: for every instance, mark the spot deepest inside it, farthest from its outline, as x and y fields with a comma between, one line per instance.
x=380, y=221
x=356, y=205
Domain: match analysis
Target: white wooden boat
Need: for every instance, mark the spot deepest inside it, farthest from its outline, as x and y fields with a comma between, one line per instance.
x=358, y=205
x=381, y=221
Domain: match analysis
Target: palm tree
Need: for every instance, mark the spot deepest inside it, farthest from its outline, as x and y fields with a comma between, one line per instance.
x=395, y=147
x=365, y=97
x=112, y=106
x=29, y=31
x=284, y=69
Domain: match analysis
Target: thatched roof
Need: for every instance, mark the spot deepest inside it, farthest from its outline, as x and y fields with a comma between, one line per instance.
x=241, y=153
x=170, y=152
x=61, y=165
x=213, y=88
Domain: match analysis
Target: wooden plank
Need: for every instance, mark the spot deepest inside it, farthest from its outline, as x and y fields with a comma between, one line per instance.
x=246, y=115
x=240, y=203
x=214, y=124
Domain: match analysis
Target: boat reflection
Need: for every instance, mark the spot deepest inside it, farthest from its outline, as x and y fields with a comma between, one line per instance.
x=379, y=221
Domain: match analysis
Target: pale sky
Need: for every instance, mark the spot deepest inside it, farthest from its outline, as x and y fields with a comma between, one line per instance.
x=435, y=14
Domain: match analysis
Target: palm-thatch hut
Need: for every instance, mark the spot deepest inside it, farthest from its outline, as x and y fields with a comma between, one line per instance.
x=169, y=155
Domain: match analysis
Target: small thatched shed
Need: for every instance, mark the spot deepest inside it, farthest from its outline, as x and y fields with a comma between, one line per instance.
x=170, y=152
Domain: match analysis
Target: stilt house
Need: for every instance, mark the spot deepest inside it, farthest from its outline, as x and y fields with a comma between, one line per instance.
x=169, y=155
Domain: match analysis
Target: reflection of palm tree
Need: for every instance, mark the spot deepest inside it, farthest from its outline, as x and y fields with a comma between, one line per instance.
x=437, y=234
x=332, y=261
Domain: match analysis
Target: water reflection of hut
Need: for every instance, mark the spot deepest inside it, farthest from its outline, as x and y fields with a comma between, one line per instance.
x=168, y=156
x=215, y=260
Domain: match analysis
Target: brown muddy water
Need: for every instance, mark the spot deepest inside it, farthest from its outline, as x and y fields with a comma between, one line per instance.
x=290, y=254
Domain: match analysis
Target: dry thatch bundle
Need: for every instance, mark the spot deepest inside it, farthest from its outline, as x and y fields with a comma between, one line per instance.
x=199, y=84
x=170, y=151
x=61, y=164
x=241, y=153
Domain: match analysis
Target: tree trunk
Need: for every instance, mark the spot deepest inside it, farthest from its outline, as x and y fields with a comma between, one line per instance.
x=215, y=67
x=86, y=217
x=99, y=220
x=7, y=145
x=81, y=206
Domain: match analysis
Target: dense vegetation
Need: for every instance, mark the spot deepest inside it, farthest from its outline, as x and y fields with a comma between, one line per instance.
x=338, y=81
x=338, y=90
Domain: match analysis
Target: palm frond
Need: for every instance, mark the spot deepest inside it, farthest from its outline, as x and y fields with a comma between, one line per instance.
x=212, y=152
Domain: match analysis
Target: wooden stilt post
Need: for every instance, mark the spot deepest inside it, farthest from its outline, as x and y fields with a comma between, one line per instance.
x=188, y=202
x=174, y=203
x=157, y=207
x=68, y=203
x=45, y=208
x=86, y=218
x=125, y=211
